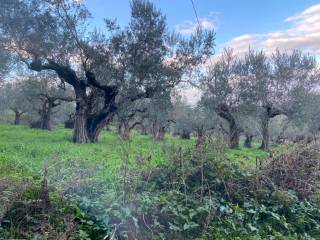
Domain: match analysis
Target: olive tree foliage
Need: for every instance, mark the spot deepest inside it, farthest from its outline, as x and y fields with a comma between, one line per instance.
x=273, y=84
x=5, y=63
x=136, y=61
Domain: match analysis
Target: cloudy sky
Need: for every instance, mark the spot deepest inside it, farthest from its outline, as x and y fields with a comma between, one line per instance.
x=239, y=23
x=266, y=24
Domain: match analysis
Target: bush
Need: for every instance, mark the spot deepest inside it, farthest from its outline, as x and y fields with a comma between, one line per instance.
x=201, y=196
x=298, y=171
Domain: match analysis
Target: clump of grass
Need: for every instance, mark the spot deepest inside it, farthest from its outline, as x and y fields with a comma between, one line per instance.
x=246, y=156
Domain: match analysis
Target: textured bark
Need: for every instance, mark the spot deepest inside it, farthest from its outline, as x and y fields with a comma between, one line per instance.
x=96, y=122
x=223, y=111
x=80, y=128
x=94, y=132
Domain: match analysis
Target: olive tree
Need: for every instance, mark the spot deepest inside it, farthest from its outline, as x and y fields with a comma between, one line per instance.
x=46, y=94
x=159, y=114
x=197, y=120
x=221, y=93
x=271, y=83
x=307, y=114
x=129, y=116
x=140, y=60
x=14, y=98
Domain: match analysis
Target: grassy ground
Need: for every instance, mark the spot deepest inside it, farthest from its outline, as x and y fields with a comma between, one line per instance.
x=25, y=151
x=94, y=175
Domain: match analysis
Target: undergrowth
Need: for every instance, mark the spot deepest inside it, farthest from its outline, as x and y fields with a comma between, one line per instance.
x=143, y=189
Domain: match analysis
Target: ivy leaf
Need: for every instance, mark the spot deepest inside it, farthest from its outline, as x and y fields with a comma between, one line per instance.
x=174, y=227
x=252, y=228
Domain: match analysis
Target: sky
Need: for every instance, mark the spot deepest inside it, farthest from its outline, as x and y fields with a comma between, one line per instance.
x=237, y=23
x=264, y=24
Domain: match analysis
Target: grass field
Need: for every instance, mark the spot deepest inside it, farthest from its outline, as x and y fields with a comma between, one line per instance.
x=27, y=152
x=104, y=182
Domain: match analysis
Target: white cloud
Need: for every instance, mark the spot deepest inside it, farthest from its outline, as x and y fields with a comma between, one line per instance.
x=78, y=1
x=303, y=34
x=189, y=27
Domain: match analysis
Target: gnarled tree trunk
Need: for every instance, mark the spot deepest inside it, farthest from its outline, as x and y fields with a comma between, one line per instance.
x=80, y=120
x=269, y=112
x=234, y=131
x=94, y=129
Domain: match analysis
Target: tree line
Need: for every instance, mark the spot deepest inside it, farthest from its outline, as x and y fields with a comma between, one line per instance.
x=129, y=75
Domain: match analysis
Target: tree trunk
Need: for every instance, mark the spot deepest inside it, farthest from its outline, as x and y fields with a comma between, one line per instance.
x=79, y=130
x=17, y=117
x=269, y=112
x=265, y=132
x=233, y=135
x=160, y=133
x=95, y=124
x=94, y=131
x=223, y=111
x=97, y=120
x=248, y=141
x=45, y=121
x=200, y=139
x=124, y=130
x=80, y=134
x=154, y=129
